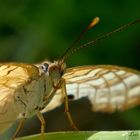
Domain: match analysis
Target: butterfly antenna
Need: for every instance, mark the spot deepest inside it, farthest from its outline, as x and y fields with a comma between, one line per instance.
x=92, y=24
x=93, y=42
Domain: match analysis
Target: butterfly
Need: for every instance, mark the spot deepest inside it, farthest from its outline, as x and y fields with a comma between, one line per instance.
x=31, y=89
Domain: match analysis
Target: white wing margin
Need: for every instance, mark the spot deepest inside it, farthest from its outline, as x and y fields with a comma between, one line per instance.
x=108, y=88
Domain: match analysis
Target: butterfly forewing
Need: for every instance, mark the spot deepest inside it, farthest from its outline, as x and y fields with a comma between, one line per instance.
x=108, y=88
x=12, y=77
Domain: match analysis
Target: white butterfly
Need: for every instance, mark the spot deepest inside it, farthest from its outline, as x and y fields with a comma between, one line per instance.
x=26, y=90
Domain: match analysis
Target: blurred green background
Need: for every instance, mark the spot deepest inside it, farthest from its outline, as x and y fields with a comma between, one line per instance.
x=32, y=30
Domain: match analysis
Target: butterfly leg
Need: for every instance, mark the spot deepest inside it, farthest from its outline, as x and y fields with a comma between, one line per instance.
x=41, y=118
x=64, y=91
x=20, y=125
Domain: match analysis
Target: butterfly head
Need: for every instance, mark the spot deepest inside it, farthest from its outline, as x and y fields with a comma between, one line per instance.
x=54, y=70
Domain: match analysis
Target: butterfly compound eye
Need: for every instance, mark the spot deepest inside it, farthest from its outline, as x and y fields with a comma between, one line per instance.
x=45, y=67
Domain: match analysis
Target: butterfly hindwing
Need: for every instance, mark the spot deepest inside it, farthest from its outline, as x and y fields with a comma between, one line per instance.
x=108, y=88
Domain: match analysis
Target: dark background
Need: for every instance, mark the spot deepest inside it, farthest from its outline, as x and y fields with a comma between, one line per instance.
x=32, y=30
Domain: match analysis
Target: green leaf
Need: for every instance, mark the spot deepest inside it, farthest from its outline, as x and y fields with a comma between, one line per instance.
x=88, y=135
x=60, y=135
